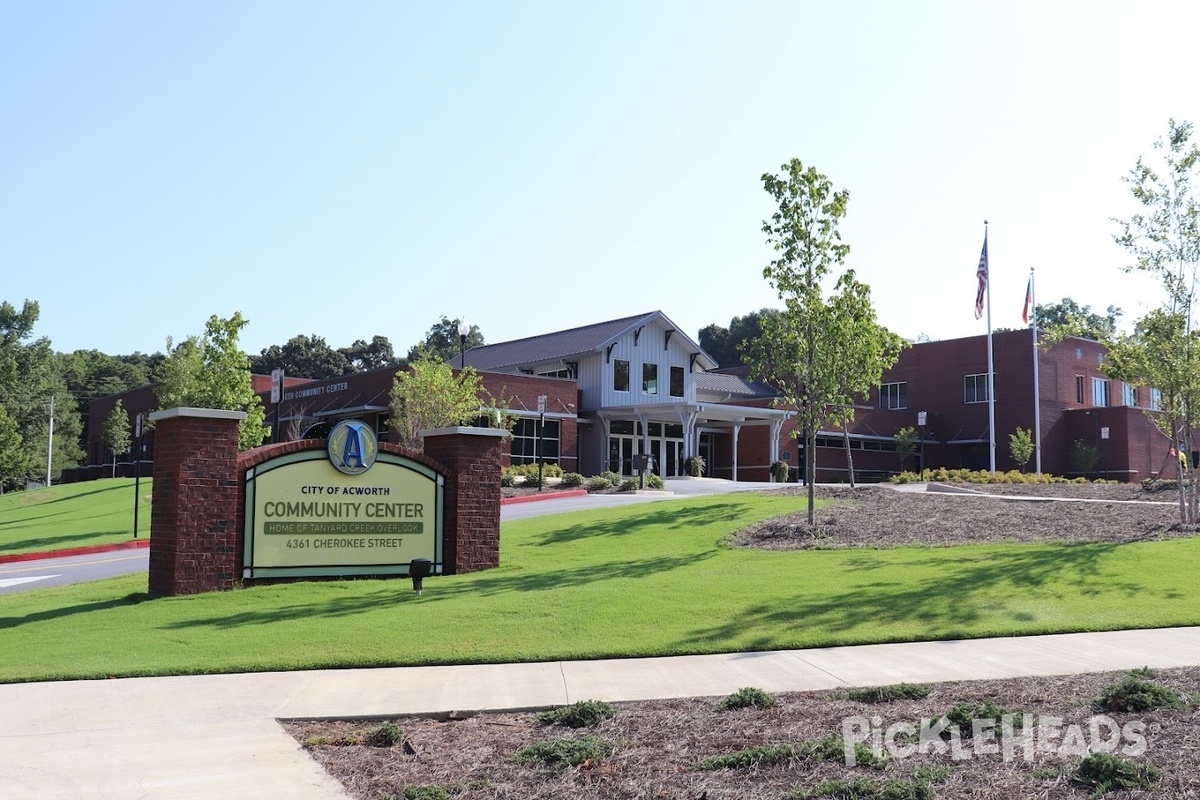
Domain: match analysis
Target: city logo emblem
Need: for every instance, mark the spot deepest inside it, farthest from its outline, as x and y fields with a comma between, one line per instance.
x=352, y=447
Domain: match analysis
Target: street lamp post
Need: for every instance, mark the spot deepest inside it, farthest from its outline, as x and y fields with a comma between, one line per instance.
x=464, y=329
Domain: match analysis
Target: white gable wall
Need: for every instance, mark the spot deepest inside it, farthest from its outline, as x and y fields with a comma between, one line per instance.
x=596, y=372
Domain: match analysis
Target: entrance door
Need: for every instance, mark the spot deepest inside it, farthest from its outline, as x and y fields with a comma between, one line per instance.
x=620, y=454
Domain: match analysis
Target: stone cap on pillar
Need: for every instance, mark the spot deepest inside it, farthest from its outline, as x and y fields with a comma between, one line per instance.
x=200, y=413
x=498, y=433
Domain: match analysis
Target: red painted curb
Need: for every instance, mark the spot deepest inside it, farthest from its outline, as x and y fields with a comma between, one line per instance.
x=76, y=551
x=533, y=498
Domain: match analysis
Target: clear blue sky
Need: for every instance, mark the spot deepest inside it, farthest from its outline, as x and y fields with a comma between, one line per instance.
x=353, y=169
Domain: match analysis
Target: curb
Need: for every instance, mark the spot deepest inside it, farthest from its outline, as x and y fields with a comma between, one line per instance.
x=136, y=544
x=534, y=498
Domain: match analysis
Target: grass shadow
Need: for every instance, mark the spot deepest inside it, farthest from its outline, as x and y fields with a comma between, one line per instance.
x=71, y=611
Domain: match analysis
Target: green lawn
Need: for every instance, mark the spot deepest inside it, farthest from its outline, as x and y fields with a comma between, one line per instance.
x=72, y=515
x=640, y=580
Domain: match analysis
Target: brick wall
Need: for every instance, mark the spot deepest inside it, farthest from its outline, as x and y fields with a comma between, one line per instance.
x=472, y=457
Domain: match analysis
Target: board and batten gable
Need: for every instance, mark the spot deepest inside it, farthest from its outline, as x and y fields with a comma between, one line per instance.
x=646, y=344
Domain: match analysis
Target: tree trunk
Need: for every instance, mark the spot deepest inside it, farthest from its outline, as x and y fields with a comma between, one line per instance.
x=810, y=471
x=849, y=455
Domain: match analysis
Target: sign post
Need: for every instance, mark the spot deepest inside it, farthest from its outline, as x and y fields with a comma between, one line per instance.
x=137, y=471
x=541, y=429
x=921, y=417
x=276, y=396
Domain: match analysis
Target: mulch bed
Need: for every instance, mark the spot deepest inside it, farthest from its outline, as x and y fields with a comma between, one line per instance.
x=657, y=743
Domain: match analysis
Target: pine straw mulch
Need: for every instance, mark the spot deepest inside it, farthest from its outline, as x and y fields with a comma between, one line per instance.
x=657, y=744
x=882, y=516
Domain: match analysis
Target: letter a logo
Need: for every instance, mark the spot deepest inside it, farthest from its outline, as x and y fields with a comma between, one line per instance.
x=351, y=447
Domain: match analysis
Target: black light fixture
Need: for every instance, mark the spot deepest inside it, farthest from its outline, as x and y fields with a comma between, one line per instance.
x=418, y=570
x=464, y=330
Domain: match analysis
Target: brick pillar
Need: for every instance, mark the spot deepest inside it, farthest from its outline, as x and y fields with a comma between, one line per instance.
x=472, y=526
x=193, y=517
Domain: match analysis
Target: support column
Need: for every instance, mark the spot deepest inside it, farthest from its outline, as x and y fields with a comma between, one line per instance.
x=472, y=525
x=193, y=518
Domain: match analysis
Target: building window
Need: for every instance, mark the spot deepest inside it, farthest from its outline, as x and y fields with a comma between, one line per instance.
x=1099, y=358
x=1130, y=395
x=676, y=381
x=893, y=396
x=557, y=373
x=1078, y=388
x=1156, y=400
x=620, y=375
x=975, y=389
x=1079, y=352
x=1099, y=392
x=525, y=441
x=649, y=378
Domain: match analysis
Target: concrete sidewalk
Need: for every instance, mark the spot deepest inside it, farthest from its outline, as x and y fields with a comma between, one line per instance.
x=216, y=736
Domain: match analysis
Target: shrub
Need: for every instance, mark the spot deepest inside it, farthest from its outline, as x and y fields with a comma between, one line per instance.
x=583, y=714
x=613, y=478
x=552, y=470
x=508, y=480
x=598, y=484
x=780, y=471
x=563, y=753
x=887, y=694
x=628, y=485
x=428, y=793
x=1134, y=693
x=386, y=735
x=1105, y=772
x=762, y=755
x=572, y=479
x=747, y=697
x=919, y=787
x=962, y=715
x=531, y=480
x=654, y=481
x=694, y=466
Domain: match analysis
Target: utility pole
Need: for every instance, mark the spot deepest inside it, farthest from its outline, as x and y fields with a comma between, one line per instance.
x=50, y=445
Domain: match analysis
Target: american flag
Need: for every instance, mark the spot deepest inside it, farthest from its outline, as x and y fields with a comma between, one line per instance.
x=1028, y=301
x=981, y=273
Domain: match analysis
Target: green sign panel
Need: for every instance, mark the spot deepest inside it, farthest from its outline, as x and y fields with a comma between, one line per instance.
x=308, y=515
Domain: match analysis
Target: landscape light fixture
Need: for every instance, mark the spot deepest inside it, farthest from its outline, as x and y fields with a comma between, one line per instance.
x=464, y=329
x=418, y=570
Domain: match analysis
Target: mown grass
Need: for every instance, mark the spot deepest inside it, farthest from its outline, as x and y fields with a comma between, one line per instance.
x=73, y=515
x=642, y=580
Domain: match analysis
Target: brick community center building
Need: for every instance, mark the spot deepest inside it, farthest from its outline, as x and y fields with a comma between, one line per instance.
x=598, y=396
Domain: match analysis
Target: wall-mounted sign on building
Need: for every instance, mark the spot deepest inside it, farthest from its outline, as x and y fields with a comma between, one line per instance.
x=348, y=510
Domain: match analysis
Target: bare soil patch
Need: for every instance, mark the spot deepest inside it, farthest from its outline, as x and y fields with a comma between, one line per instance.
x=882, y=516
x=658, y=744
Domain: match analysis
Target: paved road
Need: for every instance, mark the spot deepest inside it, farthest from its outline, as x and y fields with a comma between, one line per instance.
x=22, y=576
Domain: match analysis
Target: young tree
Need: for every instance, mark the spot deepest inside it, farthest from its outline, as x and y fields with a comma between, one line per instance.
x=819, y=354
x=116, y=433
x=906, y=444
x=211, y=371
x=428, y=395
x=1020, y=446
x=1163, y=351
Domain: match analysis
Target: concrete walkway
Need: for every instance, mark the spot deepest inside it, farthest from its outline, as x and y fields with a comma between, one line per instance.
x=198, y=738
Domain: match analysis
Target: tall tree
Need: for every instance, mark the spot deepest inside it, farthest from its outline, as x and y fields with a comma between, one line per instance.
x=1163, y=351
x=443, y=343
x=1068, y=318
x=12, y=455
x=32, y=391
x=116, y=433
x=364, y=356
x=211, y=371
x=814, y=352
x=302, y=357
x=428, y=395
x=728, y=346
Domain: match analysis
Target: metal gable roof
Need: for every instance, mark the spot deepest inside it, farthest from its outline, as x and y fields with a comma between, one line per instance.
x=725, y=383
x=559, y=345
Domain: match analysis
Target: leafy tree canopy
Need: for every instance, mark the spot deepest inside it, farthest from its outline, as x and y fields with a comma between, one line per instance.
x=364, y=356
x=728, y=346
x=1068, y=318
x=30, y=386
x=302, y=357
x=442, y=342
x=211, y=371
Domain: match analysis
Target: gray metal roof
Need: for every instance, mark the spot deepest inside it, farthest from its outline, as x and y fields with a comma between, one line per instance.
x=561, y=345
x=725, y=383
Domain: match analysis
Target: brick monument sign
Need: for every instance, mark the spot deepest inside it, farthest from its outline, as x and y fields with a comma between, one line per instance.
x=344, y=506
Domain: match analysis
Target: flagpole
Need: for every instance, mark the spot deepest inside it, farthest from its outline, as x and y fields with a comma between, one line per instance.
x=1037, y=392
x=991, y=369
